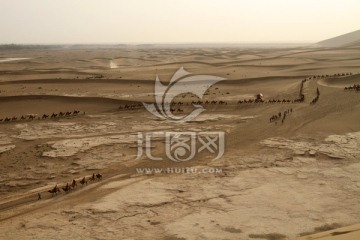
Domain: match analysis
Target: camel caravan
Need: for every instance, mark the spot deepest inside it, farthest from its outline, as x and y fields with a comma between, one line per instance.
x=258, y=98
x=316, y=98
x=134, y=106
x=44, y=116
x=333, y=75
x=355, y=87
x=70, y=187
x=280, y=115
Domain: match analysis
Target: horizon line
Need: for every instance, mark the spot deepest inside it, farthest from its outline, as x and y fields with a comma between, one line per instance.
x=160, y=43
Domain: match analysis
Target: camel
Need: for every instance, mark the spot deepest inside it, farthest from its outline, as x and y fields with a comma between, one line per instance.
x=83, y=181
x=55, y=190
x=73, y=184
x=99, y=176
x=67, y=188
x=92, y=178
x=273, y=118
x=44, y=116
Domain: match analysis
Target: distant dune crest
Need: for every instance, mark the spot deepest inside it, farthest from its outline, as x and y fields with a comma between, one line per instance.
x=345, y=40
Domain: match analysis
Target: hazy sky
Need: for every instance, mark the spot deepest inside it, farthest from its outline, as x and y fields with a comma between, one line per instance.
x=175, y=21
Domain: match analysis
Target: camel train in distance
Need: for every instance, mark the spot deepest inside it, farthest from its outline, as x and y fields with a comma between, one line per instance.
x=355, y=87
x=44, y=116
x=69, y=187
x=258, y=98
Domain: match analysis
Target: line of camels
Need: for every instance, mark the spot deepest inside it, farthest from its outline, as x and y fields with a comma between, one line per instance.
x=316, y=98
x=280, y=115
x=221, y=103
x=355, y=87
x=69, y=187
x=331, y=75
x=44, y=116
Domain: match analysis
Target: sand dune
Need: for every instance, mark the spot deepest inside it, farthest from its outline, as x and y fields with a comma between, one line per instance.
x=46, y=104
x=348, y=39
x=340, y=82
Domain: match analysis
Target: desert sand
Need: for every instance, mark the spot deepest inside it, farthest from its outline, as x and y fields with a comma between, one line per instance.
x=277, y=180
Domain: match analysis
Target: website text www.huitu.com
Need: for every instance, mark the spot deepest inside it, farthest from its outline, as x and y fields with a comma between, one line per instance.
x=186, y=170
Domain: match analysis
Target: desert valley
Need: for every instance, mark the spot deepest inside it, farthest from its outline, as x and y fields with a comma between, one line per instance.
x=70, y=118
